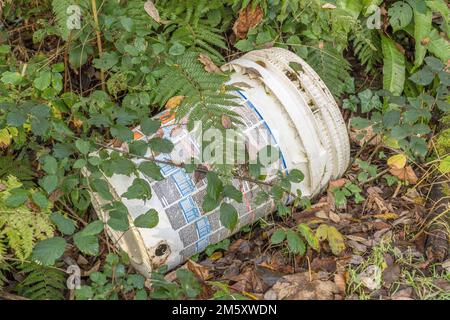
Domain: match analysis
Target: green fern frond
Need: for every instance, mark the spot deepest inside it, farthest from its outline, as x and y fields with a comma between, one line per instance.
x=393, y=67
x=20, y=227
x=41, y=282
x=331, y=67
x=367, y=48
x=206, y=97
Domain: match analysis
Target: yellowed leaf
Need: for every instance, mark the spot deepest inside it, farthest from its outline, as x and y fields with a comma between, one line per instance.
x=397, y=162
x=335, y=240
x=174, y=102
x=216, y=256
x=386, y=216
x=5, y=138
x=322, y=232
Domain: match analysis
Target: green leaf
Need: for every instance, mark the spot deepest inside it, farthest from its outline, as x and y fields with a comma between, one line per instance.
x=228, y=216
x=118, y=216
x=161, y=145
x=87, y=244
x=106, y=61
x=393, y=67
x=87, y=240
x=80, y=163
x=309, y=236
x=43, y=81
x=278, y=236
x=64, y=225
x=177, y=49
x=423, y=77
x=83, y=146
x=139, y=189
x=40, y=199
x=444, y=165
x=244, y=45
x=9, y=77
x=232, y=193
x=49, y=183
x=151, y=170
x=16, y=118
x=214, y=187
x=209, y=204
x=439, y=46
x=400, y=15
x=295, y=244
x=50, y=165
x=150, y=126
x=102, y=187
x=295, y=176
x=422, y=29
x=122, y=133
x=138, y=147
x=149, y=219
x=49, y=250
x=17, y=197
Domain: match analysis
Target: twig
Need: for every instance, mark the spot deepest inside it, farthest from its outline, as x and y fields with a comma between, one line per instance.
x=99, y=40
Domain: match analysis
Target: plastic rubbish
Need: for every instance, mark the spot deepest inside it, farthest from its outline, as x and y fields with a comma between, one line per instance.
x=283, y=98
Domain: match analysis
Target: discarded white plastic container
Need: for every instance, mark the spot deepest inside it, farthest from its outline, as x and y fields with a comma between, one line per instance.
x=281, y=93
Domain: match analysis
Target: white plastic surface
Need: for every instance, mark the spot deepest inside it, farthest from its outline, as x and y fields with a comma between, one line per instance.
x=295, y=107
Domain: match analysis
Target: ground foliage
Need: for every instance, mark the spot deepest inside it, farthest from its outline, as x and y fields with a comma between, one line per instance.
x=379, y=232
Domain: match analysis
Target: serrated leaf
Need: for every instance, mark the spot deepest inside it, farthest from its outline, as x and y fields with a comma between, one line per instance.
x=150, y=219
x=232, y=193
x=49, y=183
x=295, y=176
x=102, y=188
x=139, y=189
x=295, y=244
x=64, y=225
x=161, y=145
x=214, y=185
x=49, y=250
x=278, y=236
x=309, y=236
x=151, y=170
x=150, y=126
x=16, y=198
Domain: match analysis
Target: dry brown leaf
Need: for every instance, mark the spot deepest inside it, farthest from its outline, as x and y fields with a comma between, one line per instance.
x=208, y=63
x=151, y=10
x=248, y=18
x=363, y=136
x=174, y=102
x=300, y=286
x=406, y=174
x=200, y=271
x=339, y=280
x=226, y=121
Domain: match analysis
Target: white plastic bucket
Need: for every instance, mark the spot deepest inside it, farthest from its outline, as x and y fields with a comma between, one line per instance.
x=281, y=94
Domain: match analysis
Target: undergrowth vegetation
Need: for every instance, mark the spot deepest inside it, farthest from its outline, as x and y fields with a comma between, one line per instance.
x=76, y=75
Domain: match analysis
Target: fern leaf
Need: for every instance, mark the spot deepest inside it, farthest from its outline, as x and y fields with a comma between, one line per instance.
x=41, y=282
x=331, y=67
x=393, y=67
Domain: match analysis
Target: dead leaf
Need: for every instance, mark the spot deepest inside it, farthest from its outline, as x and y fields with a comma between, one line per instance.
x=209, y=65
x=334, y=217
x=339, y=280
x=174, y=102
x=200, y=271
x=328, y=6
x=327, y=264
x=397, y=162
x=300, y=286
x=363, y=136
x=226, y=121
x=386, y=216
x=216, y=256
x=248, y=18
x=371, y=277
x=390, y=275
x=405, y=174
x=151, y=10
